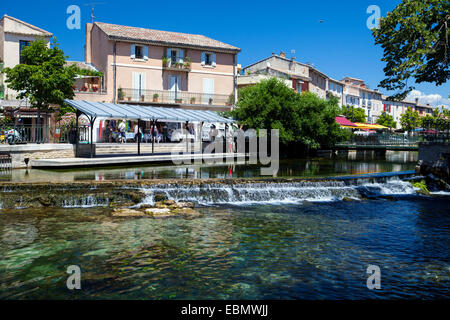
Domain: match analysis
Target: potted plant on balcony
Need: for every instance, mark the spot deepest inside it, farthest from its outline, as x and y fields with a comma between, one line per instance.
x=155, y=97
x=165, y=61
x=142, y=98
x=95, y=88
x=192, y=100
x=84, y=88
x=120, y=94
x=210, y=100
x=74, y=87
x=178, y=100
x=187, y=63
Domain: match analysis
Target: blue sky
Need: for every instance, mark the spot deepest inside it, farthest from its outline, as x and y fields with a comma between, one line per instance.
x=340, y=46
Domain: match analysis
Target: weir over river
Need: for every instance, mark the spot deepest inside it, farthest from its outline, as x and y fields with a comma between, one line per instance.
x=307, y=234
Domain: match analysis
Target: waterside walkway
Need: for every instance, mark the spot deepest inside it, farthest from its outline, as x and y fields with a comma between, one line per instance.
x=130, y=160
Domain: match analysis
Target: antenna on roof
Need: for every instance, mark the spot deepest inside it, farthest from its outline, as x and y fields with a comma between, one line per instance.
x=92, y=4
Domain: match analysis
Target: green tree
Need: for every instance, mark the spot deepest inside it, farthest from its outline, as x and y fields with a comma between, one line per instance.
x=386, y=120
x=354, y=114
x=410, y=120
x=415, y=40
x=441, y=112
x=44, y=78
x=304, y=121
x=428, y=122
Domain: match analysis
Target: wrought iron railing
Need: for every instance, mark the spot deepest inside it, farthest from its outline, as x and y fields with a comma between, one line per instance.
x=174, y=97
x=384, y=139
x=43, y=134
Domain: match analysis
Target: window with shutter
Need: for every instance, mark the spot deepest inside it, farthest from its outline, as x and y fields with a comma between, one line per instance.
x=208, y=59
x=139, y=52
x=145, y=53
x=203, y=58
x=133, y=51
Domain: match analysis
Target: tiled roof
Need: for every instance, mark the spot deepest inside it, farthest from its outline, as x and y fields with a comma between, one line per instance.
x=81, y=65
x=162, y=37
x=44, y=33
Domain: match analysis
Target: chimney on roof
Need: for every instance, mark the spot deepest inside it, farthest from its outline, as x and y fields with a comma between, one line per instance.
x=274, y=54
x=283, y=54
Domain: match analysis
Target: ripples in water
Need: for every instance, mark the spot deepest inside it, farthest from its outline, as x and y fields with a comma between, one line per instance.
x=286, y=251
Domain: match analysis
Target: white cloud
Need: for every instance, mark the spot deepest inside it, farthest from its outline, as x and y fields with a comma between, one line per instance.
x=432, y=99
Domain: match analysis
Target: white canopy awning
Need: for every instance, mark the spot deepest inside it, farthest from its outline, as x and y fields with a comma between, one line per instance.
x=136, y=112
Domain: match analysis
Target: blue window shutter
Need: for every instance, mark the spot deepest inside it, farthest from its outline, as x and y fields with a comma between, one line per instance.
x=214, y=60
x=133, y=51
x=203, y=58
x=146, y=53
x=181, y=56
x=169, y=55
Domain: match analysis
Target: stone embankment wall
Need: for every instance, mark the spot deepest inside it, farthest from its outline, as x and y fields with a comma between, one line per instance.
x=434, y=158
x=19, y=153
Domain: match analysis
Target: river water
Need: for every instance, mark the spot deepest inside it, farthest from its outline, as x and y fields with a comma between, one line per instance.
x=289, y=241
x=353, y=163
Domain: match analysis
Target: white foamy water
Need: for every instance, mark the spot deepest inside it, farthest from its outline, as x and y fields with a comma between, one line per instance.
x=277, y=193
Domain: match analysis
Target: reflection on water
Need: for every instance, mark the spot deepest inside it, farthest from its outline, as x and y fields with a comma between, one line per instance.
x=301, y=251
x=353, y=163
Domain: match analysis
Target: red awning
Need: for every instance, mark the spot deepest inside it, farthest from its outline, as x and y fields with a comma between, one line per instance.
x=344, y=122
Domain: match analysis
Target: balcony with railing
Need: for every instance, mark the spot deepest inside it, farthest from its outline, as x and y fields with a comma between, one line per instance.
x=183, y=65
x=173, y=97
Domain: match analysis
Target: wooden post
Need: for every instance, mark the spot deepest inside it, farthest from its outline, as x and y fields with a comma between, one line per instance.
x=139, y=137
x=187, y=137
x=153, y=136
x=92, y=120
x=77, y=134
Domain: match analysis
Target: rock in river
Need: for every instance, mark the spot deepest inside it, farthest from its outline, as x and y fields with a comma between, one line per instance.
x=126, y=212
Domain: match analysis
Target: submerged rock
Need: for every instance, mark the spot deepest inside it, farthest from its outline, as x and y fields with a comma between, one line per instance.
x=187, y=212
x=388, y=197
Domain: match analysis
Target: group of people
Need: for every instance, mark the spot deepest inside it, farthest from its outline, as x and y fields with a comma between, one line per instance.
x=120, y=131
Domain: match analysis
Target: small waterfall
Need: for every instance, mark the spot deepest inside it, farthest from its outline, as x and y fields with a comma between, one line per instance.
x=85, y=202
x=392, y=186
x=295, y=192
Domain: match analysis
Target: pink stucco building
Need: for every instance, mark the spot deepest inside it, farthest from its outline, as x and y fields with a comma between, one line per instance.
x=144, y=66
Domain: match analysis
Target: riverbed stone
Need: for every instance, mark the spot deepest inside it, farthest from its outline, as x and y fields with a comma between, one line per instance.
x=159, y=212
x=126, y=212
x=160, y=196
x=182, y=205
x=187, y=212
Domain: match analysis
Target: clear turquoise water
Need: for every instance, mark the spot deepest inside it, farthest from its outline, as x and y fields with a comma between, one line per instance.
x=308, y=250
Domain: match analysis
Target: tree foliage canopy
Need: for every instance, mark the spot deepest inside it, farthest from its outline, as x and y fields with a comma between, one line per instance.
x=43, y=77
x=304, y=121
x=410, y=120
x=386, y=120
x=354, y=114
x=415, y=40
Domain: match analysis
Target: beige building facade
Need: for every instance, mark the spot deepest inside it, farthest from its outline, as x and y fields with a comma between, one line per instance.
x=159, y=67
